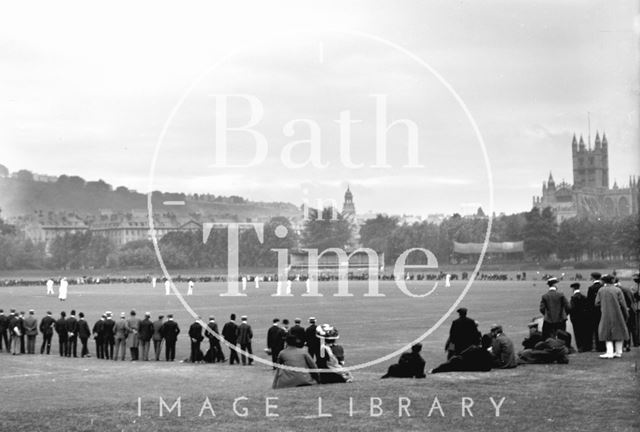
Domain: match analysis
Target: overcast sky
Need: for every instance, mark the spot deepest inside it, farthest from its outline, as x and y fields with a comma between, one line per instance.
x=87, y=91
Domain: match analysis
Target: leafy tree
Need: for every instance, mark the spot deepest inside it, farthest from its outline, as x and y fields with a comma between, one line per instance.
x=326, y=231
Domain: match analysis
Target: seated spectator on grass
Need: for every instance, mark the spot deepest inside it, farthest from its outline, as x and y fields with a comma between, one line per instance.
x=331, y=356
x=293, y=356
x=410, y=365
x=551, y=350
x=476, y=358
x=534, y=337
x=504, y=356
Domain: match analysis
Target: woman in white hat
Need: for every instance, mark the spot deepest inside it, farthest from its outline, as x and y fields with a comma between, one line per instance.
x=331, y=356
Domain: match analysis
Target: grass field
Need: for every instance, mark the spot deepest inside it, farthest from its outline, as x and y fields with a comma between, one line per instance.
x=53, y=393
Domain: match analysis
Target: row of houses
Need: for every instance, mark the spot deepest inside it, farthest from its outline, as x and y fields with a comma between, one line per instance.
x=118, y=228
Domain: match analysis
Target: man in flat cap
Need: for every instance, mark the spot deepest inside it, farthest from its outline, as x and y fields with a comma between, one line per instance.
x=594, y=312
x=579, y=316
x=299, y=332
x=504, y=356
x=462, y=334
x=31, y=331
x=215, y=351
x=275, y=340
x=554, y=307
x=245, y=334
x=61, y=330
x=157, y=336
x=108, y=331
x=313, y=343
x=121, y=331
x=46, y=328
x=170, y=331
x=534, y=337
x=145, y=333
x=98, y=336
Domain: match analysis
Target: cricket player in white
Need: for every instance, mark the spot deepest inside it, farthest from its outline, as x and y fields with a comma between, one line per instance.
x=190, y=289
x=244, y=283
x=167, y=287
x=64, y=287
x=50, y=287
x=447, y=281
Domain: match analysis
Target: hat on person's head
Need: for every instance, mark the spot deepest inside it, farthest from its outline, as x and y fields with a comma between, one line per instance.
x=596, y=275
x=147, y=314
x=552, y=281
x=81, y=314
x=243, y=317
x=211, y=318
x=608, y=279
x=48, y=312
x=123, y=315
x=496, y=328
x=21, y=312
x=416, y=348
x=636, y=277
x=327, y=331
x=169, y=315
x=232, y=316
x=312, y=319
x=297, y=320
x=532, y=324
x=160, y=316
x=31, y=311
x=103, y=316
x=575, y=285
x=73, y=311
x=462, y=311
x=133, y=312
x=276, y=320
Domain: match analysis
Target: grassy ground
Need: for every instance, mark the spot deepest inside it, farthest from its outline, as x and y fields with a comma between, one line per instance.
x=53, y=393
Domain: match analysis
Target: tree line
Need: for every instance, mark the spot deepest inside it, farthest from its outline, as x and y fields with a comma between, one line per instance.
x=572, y=240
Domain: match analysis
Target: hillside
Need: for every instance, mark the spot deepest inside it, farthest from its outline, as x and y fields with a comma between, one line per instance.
x=23, y=196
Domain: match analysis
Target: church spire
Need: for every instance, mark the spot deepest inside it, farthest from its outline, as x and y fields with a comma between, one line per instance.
x=597, y=140
x=581, y=144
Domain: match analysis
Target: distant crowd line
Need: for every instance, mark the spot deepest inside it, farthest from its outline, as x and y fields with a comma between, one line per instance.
x=107, y=279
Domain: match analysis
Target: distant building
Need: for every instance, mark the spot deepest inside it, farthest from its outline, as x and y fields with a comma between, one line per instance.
x=45, y=230
x=4, y=171
x=590, y=195
x=348, y=207
x=121, y=229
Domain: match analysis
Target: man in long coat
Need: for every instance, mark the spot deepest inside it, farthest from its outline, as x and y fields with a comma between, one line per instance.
x=245, y=334
x=613, y=320
x=275, y=340
x=145, y=333
x=579, y=315
x=170, y=331
x=132, y=338
x=46, y=328
x=31, y=331
x=554, y=307
x=63, y=337
x=230, y=335
x=594, y=311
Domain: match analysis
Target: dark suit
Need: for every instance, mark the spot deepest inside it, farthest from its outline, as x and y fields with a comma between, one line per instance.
x=46, y=328
x=530, y=341
x=245, y=334
x=579, y=316
x=145, y=333
x=22, y=335
x=594, y=316
x=195, y=334
x=63, y=337
x=98, y=336
x=4, y=325
x=214, y=343
x=170, y=331
x=31, y=331
x=108, y=336
x=83, y=333
x=15, y=331
x=72, y=329
x=157, y=338
x=229, y=333
x=463, y=334
x=313, y=343
x=554, y=307
x=275, y=341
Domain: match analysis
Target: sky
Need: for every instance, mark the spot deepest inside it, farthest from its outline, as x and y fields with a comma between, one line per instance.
x=417, y=107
